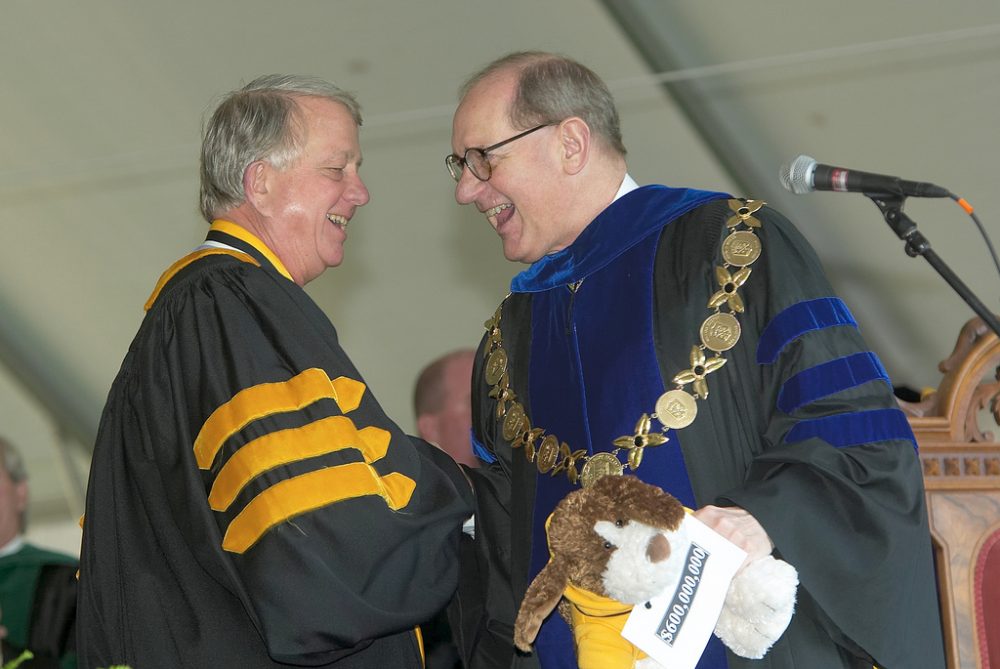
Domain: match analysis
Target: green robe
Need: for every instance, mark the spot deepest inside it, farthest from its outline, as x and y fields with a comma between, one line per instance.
x=38, y=599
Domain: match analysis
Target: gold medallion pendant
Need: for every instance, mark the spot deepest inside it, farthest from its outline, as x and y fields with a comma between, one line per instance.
x=513, y=422
x=496, y=365
x=720, y=332
x=548, y=453
x=598, y=466
x=676, y=409
x=741, y=248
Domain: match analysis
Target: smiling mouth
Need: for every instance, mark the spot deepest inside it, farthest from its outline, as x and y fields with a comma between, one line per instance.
x=336, y=219
x=493, y=211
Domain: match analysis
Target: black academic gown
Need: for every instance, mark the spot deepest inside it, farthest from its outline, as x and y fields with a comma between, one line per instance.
x=250, y=504
x=800, y=428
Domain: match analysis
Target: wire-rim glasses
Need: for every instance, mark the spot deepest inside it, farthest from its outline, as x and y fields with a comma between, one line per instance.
x=476, y=159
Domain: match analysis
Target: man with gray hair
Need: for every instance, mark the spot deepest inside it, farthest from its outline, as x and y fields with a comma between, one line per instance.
x=37, y=586
x=637, y=302
x=250, y=504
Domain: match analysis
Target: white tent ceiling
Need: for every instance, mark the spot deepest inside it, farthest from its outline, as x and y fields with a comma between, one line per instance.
x=103, y=102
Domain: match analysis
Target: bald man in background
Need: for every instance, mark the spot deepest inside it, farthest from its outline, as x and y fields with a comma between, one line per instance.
x=442, y=401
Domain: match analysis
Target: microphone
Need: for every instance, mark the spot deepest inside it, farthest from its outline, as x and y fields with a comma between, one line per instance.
x=804, y=175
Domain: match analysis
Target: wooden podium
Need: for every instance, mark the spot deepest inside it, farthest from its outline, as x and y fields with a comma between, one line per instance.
x=961, y=465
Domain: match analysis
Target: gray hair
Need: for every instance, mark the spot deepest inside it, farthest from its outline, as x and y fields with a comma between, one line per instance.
x=551, y=88
x=13, y=464
x=261, y=121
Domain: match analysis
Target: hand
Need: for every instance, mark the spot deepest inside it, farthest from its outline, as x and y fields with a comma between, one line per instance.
x=739, y=527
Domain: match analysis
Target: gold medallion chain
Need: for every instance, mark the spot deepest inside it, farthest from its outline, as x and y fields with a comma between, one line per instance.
x=675, y=408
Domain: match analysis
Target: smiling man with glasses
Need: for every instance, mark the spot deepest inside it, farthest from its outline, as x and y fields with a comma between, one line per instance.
x=636, y=303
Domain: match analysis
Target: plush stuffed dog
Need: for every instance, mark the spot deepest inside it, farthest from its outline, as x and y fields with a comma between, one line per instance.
x=611, y=546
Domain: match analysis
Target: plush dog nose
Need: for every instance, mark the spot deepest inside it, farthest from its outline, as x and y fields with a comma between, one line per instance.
x=658, y=548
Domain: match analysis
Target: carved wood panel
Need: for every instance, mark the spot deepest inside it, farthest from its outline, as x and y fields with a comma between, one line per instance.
x=956, y=429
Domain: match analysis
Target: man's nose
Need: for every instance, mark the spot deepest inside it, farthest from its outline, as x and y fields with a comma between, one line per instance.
x=468, y=187
x=358, y=192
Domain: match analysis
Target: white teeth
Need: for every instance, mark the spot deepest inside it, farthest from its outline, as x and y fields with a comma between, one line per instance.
x=337, y=220
x=493, y=211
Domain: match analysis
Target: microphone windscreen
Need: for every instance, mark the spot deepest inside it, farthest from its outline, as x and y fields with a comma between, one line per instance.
x=796, y=176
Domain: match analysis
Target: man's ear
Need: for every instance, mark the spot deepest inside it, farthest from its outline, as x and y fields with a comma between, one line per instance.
x=21, y=496
x=427, y=428
x=574, y=144
x=255, y=181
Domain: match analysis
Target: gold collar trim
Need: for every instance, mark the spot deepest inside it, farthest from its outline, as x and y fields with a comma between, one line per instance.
x=241, y=233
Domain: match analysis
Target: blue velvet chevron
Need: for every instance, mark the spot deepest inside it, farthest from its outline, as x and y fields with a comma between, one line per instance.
x=853, y=429
x=829, y=378
x=798, y=319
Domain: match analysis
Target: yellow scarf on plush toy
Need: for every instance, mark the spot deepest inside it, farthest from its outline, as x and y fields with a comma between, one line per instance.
x=597, y=628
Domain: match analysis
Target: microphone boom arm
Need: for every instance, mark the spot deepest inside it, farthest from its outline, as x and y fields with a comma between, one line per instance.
x=916, y=244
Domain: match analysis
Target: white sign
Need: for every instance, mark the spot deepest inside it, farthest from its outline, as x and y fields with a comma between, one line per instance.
x=674, y=627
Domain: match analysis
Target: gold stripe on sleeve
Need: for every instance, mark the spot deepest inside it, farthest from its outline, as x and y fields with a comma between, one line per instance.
x=266, y=399
x=278, y=448
x=374, y=443
x=187, y=260
x=349, y=393
x=311, y=491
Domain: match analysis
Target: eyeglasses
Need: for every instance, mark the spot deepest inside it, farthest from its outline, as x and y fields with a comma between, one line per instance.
x=476, y=159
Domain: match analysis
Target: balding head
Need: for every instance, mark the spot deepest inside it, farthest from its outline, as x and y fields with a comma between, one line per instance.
x=442, y=402
x=551, y=88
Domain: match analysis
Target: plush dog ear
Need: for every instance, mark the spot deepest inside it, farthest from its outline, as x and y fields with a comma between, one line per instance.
x=542, y=596
x=655, y=507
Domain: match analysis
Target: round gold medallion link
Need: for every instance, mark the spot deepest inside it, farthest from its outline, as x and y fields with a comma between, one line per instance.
x=676, y=409
x=720, y=332
x=548, y=453
x=513, y=422
x=598, y=466
x=496, y=365
x=741, y=248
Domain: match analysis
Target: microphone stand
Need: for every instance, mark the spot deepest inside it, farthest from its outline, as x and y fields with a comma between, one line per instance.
x=917, y=245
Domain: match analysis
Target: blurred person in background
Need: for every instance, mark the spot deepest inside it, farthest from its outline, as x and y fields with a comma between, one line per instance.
x=37, y=586
x=442, y=402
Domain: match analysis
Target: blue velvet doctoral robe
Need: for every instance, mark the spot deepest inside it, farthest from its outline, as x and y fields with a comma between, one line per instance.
x=800, y=428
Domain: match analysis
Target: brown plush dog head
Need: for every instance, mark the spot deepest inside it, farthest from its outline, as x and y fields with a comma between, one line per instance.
x=585, y=531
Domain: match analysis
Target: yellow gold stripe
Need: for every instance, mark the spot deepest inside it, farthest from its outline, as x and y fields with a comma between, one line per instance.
x=187, y=260
x=349, y=393
x=420, y=645
x=396, y=489
x=256, y=402
x=245, y=235
x=278, y=448
x=374, y=443
x=308, y=492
